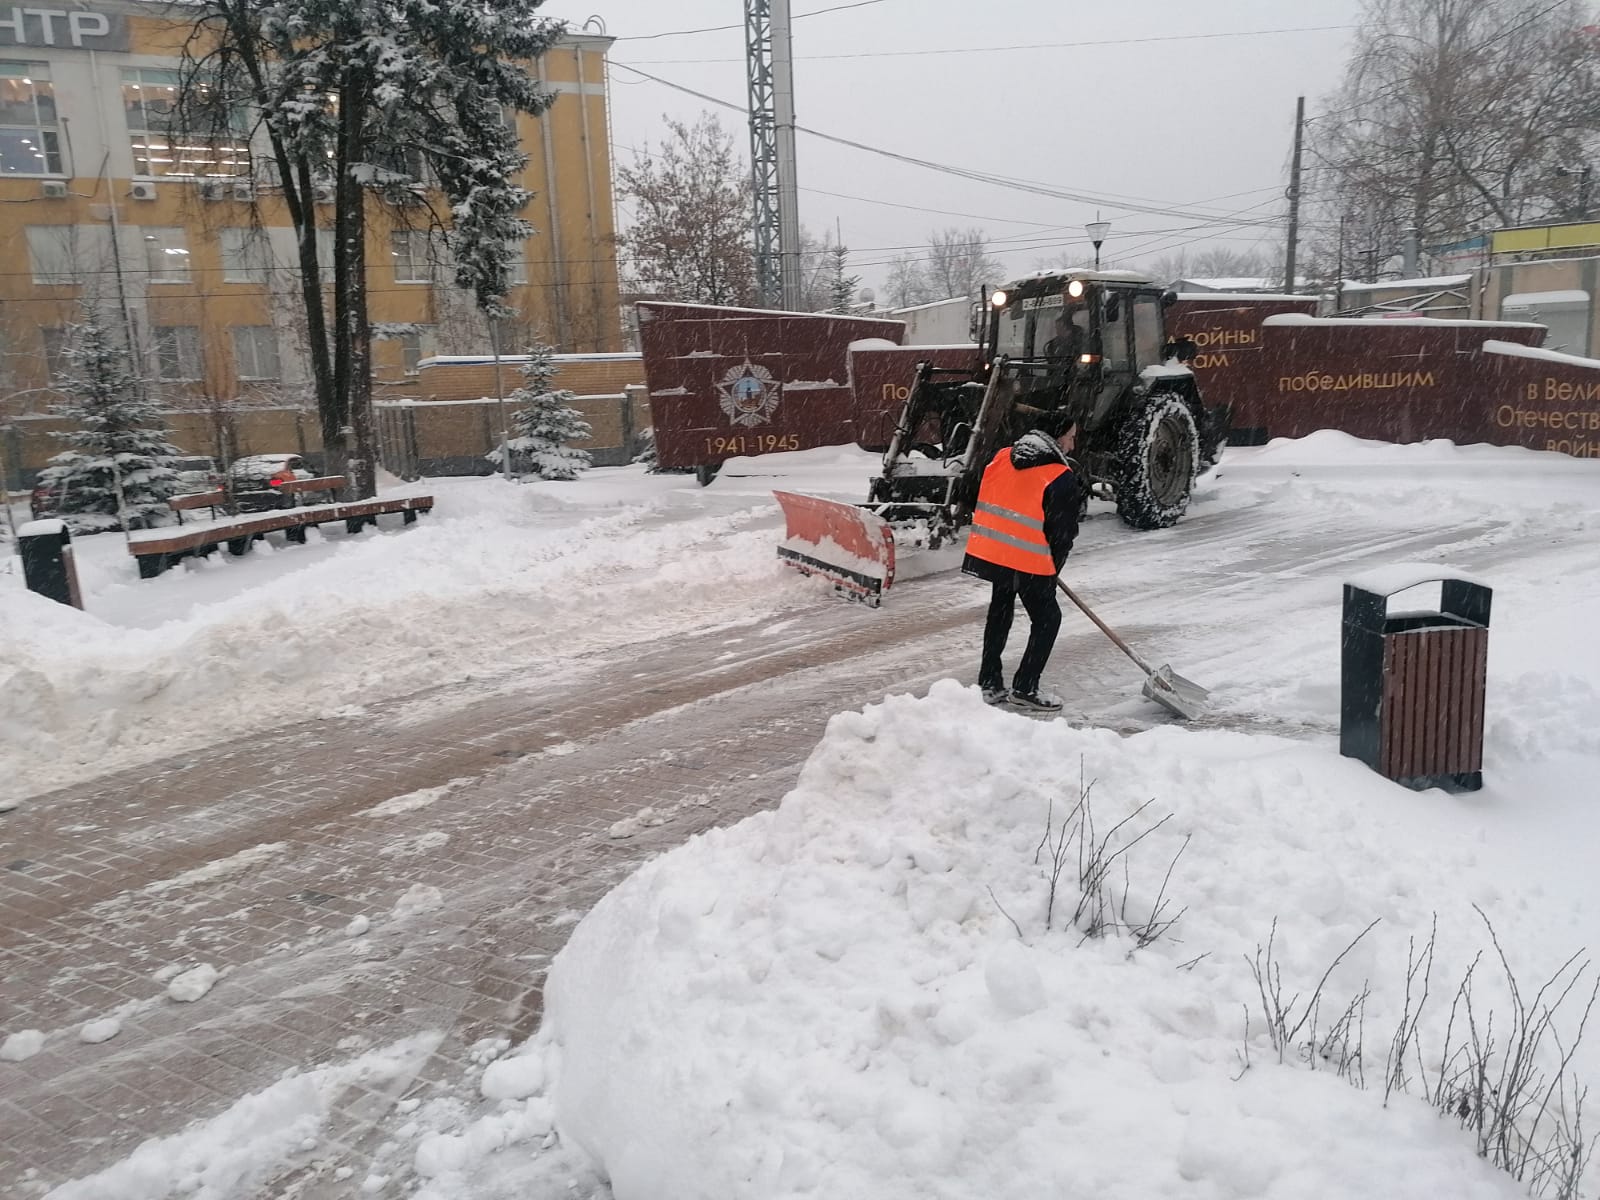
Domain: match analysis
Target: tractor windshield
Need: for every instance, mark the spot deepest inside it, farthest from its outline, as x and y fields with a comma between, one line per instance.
x=1044, y=327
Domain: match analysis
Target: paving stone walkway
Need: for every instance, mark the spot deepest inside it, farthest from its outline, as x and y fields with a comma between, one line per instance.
x=469, y=827
x=256, y=855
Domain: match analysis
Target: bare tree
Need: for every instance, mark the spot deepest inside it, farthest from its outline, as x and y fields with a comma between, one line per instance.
x=691, y=234
x=959, y=263
x=908, y=282
x=1217, y=262
x=1454, y=115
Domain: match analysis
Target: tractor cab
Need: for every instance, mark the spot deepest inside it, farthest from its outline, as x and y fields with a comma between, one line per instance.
x=1076, y=340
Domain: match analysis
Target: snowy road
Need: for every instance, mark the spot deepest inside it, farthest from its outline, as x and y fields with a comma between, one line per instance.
x=407, y=870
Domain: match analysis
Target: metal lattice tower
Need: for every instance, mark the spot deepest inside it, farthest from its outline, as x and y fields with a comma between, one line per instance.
x=770, y=63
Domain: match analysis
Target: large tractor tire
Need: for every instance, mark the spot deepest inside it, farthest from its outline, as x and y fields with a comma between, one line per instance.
x=1158, y=456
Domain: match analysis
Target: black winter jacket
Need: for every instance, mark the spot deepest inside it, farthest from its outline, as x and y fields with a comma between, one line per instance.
x=1063, y=499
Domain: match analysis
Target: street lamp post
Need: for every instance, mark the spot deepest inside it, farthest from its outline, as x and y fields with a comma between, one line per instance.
x=1097, y=231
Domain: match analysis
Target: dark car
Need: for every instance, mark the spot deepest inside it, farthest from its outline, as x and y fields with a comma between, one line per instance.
x=196, y=473
x=255, y=480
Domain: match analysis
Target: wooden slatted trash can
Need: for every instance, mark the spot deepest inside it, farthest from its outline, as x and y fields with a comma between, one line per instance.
x=1412, y=681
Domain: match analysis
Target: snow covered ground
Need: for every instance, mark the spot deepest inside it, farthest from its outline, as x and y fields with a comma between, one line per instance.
x=870, y=990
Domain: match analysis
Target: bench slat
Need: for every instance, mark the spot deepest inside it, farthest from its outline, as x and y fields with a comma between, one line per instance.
x=197, y=500
x=322, y=483
x=286, y=518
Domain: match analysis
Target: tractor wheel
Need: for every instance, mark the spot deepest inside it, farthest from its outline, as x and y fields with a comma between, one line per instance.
x=1158, y=452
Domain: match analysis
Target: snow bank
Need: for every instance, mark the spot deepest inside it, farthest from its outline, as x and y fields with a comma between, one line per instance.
x=834, y=999
x=288, y=633
x=241, y=1150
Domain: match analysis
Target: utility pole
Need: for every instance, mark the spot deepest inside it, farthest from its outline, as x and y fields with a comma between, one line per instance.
x=770, y=64
x=1289, y=273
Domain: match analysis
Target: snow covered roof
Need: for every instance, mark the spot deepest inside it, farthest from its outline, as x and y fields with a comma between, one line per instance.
x=1263, y=296
x=1517, y=350
x=1234, y=284
x=759, y=312
x=472, y=360
x=1089, y=273
x=931, y=304
x=1395, y=321
x=1436, y=281
x=1572, y=296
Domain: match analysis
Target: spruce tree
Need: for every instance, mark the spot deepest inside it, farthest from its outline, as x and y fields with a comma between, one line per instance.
x=841, y=287
x=545, y=422
x=119, y=439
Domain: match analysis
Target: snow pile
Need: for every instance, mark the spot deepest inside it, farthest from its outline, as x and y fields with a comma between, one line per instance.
x=834, y=998
x=289, y=632
x=188, y=986
x=240, y=1151
x=23, y=1044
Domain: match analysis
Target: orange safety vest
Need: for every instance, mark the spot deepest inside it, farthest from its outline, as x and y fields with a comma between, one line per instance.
x=1008, y=524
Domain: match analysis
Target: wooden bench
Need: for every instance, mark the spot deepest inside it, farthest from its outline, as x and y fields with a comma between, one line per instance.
x=158, y=549
x=219, y=498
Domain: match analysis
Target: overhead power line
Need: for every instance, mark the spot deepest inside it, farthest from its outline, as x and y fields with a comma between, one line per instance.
x=1128, y=204
x=1140, y=41
x=650, y=37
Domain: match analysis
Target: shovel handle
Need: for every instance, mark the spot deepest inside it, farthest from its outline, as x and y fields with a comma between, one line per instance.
x=1104, y=628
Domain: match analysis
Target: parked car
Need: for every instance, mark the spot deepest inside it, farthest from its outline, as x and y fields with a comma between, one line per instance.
x=196, y=473
x=255, y=479
x=45, y=500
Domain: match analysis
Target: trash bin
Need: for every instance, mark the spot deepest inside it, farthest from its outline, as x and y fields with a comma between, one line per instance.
x=47, y=565
x=1412, y=682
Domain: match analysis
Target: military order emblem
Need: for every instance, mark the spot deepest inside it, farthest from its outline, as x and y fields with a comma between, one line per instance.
x=749, y=394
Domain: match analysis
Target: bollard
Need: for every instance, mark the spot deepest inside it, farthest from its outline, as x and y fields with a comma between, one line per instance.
x=47, y=564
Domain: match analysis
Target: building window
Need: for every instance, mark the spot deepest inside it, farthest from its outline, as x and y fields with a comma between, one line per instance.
x=150, y=99
x=246, y=255
x=166, y=255
x=517, y=268
x=29, y=143
x=56, y=339
x=409, y=249
x=52, y=252
x=413, y=351
x=325, y=255
x=177, y=352
x=255, y=352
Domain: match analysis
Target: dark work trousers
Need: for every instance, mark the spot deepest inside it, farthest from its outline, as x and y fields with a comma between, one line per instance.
x=1038, y=593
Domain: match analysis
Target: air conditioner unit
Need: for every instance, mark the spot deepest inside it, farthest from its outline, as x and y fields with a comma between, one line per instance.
x=54, y=189
x=213, y=189
x=323, y=193
x=142, y=191
x=244, y=190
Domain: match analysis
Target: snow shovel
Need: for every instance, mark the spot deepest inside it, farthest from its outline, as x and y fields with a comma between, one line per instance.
x=1162, y=684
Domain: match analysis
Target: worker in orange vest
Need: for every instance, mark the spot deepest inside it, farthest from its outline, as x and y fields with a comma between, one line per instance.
x=1022, y=531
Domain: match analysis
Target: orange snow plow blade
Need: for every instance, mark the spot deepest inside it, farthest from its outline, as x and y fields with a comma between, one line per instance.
x=841, y=542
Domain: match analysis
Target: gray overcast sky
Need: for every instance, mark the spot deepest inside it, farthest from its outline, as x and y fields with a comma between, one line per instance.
x=1200, y=121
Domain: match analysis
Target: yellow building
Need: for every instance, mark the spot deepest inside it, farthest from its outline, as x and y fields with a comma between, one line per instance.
x=190, y=247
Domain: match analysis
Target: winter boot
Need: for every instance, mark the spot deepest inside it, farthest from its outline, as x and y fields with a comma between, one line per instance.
x=1042, y=702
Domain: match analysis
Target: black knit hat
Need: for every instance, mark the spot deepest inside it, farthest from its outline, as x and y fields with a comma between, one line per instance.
x=1056, y=423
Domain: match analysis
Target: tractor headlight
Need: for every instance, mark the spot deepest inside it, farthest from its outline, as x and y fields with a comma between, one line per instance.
x=1075, y=288
x=998, y=299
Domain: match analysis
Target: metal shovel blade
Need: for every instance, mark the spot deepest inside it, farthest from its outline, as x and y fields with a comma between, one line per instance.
x=1173, y=692
x=1162, y=684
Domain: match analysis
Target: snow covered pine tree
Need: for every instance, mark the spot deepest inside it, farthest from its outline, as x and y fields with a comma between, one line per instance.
x=119, y=439
x=545, y=422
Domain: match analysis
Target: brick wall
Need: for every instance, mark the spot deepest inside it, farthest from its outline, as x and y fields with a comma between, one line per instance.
x=455, y=379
